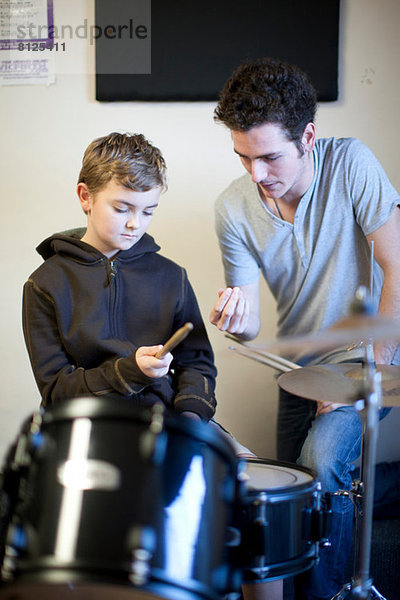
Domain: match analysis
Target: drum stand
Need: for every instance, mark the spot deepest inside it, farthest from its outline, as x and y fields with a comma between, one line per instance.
x=362, y=492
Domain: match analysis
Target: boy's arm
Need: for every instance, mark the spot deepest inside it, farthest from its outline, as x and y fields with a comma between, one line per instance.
x=193, y=366
x=56, y=375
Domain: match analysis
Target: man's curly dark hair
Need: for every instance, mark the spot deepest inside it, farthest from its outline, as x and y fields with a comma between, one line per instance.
x=268, y=91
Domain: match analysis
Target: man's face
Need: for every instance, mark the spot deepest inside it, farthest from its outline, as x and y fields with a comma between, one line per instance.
x=117, y=216
x=274, y=162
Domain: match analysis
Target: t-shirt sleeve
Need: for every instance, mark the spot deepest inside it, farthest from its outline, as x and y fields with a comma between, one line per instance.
x=240, y=265
x=374, y=197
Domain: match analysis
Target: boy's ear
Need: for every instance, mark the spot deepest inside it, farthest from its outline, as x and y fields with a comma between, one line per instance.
x=84, y=197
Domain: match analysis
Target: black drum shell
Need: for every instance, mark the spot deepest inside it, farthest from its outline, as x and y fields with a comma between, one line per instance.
x=138, y=477
x=275, y=525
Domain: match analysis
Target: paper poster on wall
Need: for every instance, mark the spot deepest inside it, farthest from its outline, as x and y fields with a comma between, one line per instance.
x=26, y=42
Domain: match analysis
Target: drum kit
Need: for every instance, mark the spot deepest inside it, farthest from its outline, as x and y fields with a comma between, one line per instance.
x=365, y=385
x=101, y=499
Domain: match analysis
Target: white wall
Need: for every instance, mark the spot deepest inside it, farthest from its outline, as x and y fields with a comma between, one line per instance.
x=44, y=131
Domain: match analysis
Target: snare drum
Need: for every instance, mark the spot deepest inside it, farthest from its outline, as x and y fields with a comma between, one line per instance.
x=275, y=515
x=116, y=502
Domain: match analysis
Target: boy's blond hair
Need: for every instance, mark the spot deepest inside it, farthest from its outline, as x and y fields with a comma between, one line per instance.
x=130, y=159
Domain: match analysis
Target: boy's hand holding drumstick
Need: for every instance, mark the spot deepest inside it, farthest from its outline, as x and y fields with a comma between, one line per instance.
x=154, y=361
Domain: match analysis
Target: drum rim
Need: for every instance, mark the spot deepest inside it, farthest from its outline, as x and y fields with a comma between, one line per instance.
x=283, y=488
x=89, y=406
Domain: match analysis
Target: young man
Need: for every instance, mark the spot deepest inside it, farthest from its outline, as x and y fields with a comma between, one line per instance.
x=97, y=310
x=304, y=216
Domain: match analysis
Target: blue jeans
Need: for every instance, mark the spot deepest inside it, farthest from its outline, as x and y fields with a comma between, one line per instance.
x=328, y=444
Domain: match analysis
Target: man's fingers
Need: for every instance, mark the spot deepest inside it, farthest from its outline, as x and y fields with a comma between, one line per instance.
x=327, y=407
x=217, y=310
x=230, y=312
x=223, y=299
x=245, y=316
x=237, y=314
x=234, y=310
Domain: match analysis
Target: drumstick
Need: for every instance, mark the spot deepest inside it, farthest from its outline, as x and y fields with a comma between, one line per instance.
x=261, y=359
x=175, y=339
x=287, y=365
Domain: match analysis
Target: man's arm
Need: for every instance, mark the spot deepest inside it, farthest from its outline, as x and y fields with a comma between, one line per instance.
x=387, y=253
x=237, y=311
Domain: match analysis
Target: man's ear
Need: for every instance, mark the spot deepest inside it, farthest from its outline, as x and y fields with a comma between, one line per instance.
x=84, y=197
x=308, y=139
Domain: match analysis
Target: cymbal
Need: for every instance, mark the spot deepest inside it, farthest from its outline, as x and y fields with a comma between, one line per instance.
x=350, y=331
x=340, y=383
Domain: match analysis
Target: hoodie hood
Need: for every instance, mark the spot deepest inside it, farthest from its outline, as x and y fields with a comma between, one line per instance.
x=68, y=243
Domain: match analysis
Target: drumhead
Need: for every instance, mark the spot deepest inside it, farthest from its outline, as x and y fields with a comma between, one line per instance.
x=259, y=474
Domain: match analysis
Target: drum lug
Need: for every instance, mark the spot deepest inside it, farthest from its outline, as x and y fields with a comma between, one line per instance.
x=153, y=442
x=321, y=519
x=327, y=521
x=28, y=444
x=140, y=566
x=17, y=538
x=233, y=538
x=258, y=530
x=9, y=565
x=16, y=545
x=142, y=542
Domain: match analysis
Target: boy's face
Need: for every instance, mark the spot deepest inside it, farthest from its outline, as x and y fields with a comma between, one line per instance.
x=117, y=216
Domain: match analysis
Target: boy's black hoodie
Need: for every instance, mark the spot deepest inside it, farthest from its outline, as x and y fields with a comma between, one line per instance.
x=85, y=315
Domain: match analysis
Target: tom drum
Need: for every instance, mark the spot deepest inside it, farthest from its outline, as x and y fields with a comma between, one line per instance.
x=108, y=501
x=279, y=518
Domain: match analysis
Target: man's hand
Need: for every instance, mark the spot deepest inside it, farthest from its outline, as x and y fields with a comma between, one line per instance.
x=231, y=311
x=149, y=364
x=327, y=407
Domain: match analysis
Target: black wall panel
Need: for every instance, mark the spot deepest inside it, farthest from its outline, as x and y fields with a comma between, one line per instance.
x=185, y=50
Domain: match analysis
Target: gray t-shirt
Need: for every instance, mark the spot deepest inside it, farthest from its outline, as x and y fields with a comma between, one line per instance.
x=313, y=266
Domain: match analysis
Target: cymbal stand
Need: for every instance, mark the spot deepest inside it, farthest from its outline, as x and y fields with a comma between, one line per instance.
x=361, y=584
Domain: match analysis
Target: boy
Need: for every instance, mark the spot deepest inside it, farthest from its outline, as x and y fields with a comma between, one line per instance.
x=95, y=312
